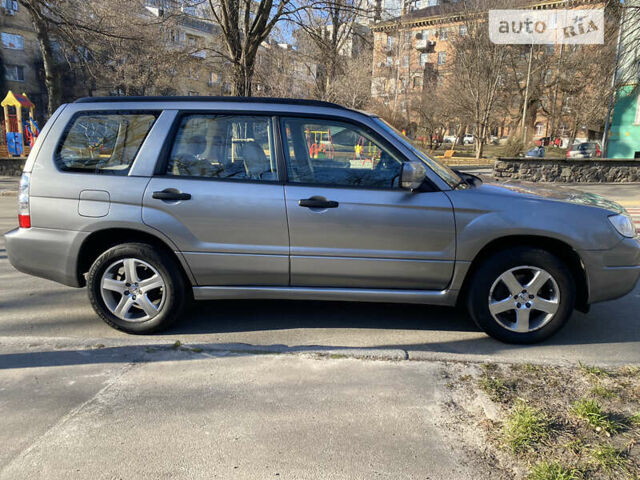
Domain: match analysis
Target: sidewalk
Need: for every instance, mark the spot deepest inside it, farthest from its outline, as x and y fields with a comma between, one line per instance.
x=8, y=186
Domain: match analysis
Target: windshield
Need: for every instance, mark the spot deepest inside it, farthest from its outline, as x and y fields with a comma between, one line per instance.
x=441, y=170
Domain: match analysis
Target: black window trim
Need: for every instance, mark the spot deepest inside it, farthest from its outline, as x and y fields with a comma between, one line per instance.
x=160, y=170
x=84, y=113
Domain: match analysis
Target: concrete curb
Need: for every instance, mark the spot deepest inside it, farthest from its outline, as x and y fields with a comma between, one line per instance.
x=127, y=348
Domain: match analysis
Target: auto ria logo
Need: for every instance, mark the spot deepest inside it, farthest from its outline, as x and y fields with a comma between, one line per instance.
x=566, y=26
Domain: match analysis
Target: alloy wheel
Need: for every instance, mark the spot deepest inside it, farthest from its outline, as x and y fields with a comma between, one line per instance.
x=524, y=299
x=133, y=290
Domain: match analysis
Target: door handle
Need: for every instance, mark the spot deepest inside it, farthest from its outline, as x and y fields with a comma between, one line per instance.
x=168, y=194
x=317, y=203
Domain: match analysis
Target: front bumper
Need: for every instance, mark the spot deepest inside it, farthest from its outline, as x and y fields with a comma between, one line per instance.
x=46, y=253
x=612, y=273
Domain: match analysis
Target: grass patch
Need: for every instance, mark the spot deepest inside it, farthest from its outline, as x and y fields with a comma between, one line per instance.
x=593, y=370
x=635, y=419
x=609, y=458
x=176, y=345
x=526, y=427
x=590, y=410
x=603, y=392
x=553, y=471
x=496, y=388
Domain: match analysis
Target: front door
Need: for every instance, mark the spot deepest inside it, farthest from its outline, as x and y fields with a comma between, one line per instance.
x=350, y=223
x=220, y=202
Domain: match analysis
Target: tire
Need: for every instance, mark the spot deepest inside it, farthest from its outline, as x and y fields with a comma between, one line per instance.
x=151, y=303
x=524, y=316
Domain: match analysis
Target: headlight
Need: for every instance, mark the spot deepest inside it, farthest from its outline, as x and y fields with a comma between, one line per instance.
x=624, y=225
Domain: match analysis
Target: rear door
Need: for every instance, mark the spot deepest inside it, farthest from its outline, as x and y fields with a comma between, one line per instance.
x=218, y=198
x=350, y=223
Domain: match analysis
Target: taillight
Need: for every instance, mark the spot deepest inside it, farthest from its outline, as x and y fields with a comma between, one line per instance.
x=598, y=151
x=24, y=214
x=569, y=151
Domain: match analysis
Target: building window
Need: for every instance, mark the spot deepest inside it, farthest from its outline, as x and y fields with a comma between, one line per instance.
x=389, y=61
x=443, y=34
x=424, y=59
x=462, y=30
x=11, y=6
x=442, y=58
x=14, y=73
x=417, y=82
x=405, y=61
x=390, y=41
x=539, y=128
x=13, y=41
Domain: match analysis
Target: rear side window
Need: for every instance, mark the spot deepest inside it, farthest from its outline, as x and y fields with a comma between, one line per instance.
x=105, y=142
x=229, y=147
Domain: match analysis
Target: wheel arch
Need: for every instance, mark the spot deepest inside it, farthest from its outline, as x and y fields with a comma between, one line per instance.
x=101, y=240
x=562, y=250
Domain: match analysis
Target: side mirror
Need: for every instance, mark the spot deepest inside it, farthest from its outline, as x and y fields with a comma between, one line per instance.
x=412, y=175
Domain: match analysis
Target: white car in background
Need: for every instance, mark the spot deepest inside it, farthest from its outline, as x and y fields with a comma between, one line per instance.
x=468, y=139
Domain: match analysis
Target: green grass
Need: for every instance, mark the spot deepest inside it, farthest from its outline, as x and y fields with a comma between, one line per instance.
x=553, y=471
x=593, y=370
x=609, y=458
x=635, y=419
x=496, y=388
x=176, y=345
x=590, y=410
x=526, y=427
x=603, y=392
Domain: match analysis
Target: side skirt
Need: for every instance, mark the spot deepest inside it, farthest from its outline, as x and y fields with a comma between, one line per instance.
x=444, y=297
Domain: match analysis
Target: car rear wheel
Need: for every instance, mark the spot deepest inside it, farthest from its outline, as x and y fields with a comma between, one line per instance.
x=136, y=289
x=521, y=295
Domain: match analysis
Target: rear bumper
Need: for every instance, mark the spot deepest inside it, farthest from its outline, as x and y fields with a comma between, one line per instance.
x=46, y=253
x=612, y=273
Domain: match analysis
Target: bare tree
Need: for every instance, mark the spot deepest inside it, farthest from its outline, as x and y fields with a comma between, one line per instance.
x=245, y=25
x=474, y=78
x=331, y=34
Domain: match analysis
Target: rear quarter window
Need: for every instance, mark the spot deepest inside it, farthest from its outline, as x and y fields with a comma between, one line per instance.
x=103, y=142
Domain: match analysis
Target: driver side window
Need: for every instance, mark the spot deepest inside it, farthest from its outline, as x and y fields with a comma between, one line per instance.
x=327, y=152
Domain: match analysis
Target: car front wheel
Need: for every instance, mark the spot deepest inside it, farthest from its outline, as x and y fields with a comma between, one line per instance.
x=136, y=288
x=521, y=295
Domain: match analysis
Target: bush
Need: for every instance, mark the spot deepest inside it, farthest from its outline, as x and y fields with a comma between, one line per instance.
x=513, y=147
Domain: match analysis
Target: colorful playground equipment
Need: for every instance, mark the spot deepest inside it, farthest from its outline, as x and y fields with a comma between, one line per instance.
x=320, y=144
x=19, y=131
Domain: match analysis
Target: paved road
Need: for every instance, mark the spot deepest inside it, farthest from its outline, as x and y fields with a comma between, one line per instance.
x=111, y=414
x=36, y=311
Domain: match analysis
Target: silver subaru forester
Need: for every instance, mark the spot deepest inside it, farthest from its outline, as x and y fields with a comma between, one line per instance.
x=152, y=201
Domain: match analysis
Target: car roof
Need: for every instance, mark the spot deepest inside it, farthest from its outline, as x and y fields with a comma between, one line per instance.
x=218, y=99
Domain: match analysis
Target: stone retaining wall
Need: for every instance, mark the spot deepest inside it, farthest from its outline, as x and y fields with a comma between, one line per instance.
x=11, y=166
x=600, y=170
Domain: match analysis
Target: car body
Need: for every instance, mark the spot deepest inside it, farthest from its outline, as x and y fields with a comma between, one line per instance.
x=151, y=200
x=585, y=150
x=449, y=139
x=536, y=152
x=468, y=139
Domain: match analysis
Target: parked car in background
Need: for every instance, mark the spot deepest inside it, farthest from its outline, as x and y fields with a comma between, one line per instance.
x=468, y=139
x=585, y=150
x=150, y=202
x=449, y=139
x=536, y=152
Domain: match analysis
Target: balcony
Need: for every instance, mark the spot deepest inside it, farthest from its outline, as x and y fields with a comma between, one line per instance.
x=425, y=46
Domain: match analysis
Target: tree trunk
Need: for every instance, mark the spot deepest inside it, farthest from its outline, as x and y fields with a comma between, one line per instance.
x=52, y=83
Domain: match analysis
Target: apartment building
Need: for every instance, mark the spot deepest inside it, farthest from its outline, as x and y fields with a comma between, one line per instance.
x=191, y=31
x=412, y=53
x=20, y=56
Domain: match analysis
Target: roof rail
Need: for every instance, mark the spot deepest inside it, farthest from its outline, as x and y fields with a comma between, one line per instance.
x=266, y=100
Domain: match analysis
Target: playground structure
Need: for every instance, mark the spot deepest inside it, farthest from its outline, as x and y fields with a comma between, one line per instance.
x=322, y=144
x=20, y=130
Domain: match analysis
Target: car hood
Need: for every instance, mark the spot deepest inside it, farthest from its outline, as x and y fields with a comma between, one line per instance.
x=554, y=193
